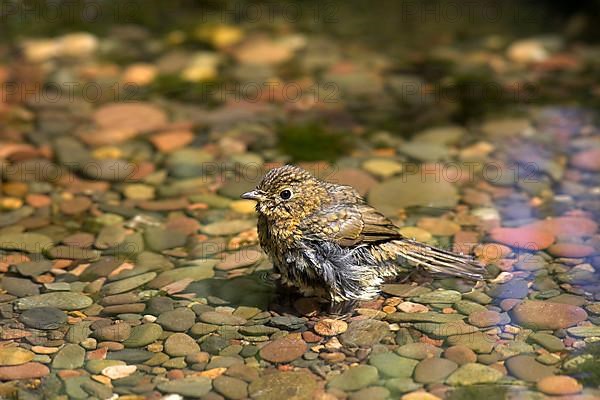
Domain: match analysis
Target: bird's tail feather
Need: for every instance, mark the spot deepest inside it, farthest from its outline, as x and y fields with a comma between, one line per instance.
x=439, y=261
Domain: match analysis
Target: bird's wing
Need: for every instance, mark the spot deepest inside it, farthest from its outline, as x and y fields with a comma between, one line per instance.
x=350, y=225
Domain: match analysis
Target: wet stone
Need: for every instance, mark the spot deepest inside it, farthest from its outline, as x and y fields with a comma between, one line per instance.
x=392, y=365
x=66, y=301
x=180, y=344
x=130, y=356
x=433, y=370
x=283, y=385
x=194, y=386
x=526, y=368
x=231, y=388
x=34, y=268
x=127, y=284
x=355, y=378
x=14, y=356
x=547, y=315
x=402, y=385
x=285, y=349
x=29, y=370
x=116, y=332
x=548, y=341
x=418, y=351
x=472, y=374
x=19, y=287
x=371, y=393
x=178, y=320
x=43, y=318
x=217, y=318
x=69, y=357
x=143, y=335
x=364, y=333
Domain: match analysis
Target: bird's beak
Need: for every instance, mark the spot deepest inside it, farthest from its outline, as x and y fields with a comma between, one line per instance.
x=253, y=195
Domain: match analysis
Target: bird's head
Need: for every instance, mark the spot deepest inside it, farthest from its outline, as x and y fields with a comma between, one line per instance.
x=288, y=193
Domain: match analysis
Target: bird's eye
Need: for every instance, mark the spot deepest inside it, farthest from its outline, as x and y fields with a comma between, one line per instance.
x=285, y=194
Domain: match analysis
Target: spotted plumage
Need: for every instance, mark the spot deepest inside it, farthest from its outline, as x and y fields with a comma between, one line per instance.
x=325, y=240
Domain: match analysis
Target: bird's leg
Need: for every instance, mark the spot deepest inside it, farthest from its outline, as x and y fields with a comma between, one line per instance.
x=342, y=309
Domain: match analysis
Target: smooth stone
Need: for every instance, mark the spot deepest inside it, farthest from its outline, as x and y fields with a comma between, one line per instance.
x=239, y=259
x=31, y=370
x=127, y=284
x=19, y=287
x=433, y=370
x=438, y=296
x=529, y=237
x=573, y=250
x=526, y=368
x=284, y=350
x=548, y=341
x=392, y=365
x=418, y=351
x=473, y=374
x=460, y=354
x=67, y=301
x=71, y=356
x=467, y=307
x=118, y=371
x=28, y=242
x=541, y=315
x=413, y=189
x=585, y=331
x=364, y=333
x=96, y=366
x=218, y=318
x=116, y=332
x=143, y=335
x=514, y=289
x=355, y=378
x=371, y=393
x=479, y=342
x=34, y=268
x=226, y=228
x=512, y=348
x=15, y=356
x=402, y=385
x=382, y=167
x=425, y=317
x=179, y=344
x=130, y=356
x=158, y=239
x=193, y=386
x=404, y=290
x=484, y=319
x=196, y=273
x=231, y=388
x=559, y=385
x=45, y=318
x=295, y=385
x=178, y=320
x=72, y=253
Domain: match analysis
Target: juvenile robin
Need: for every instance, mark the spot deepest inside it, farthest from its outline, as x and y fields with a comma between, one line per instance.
x=324, y=240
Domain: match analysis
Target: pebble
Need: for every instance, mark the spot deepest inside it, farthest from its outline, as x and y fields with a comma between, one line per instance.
x=31, y=370
x=473, y=374
x=71, y=356
x=382, y=168
x=526, y=368
x=559, y=385
x=180, y=344
x=143, y=335
x=419, y=351
x=14, y=356
x=485, y=319
x=67, y=301
x=46, y=318
x=178, y=320
x=231, y=388
x=118, y=371
x=283, y=385
x=547, y=315
x=218, y=318
x=284, y=350
x=460, y=354
x=529, y=238
x=330, y=327
x=355, y=378
x=364, y=333
x=193, y=386
x=392, y=365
